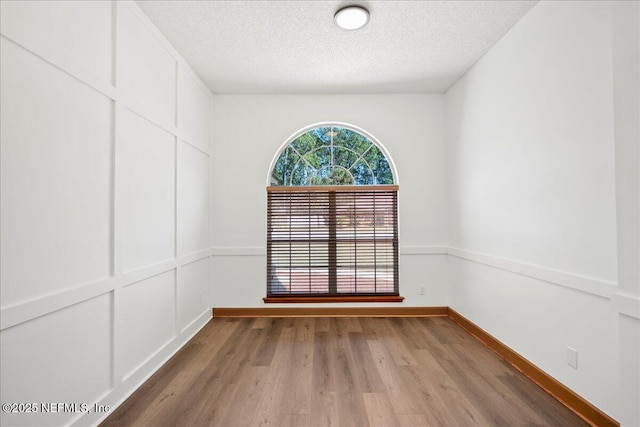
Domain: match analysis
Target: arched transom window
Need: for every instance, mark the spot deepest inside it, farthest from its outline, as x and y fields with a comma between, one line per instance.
x=332, y=220
x=331, y=155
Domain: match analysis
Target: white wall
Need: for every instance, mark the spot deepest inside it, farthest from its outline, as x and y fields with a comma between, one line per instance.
x=532, y=183
x=249, y=130
x=105, y=256
x=626, y=301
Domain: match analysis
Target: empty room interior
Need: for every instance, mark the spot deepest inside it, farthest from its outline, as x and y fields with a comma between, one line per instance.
x=296, y=213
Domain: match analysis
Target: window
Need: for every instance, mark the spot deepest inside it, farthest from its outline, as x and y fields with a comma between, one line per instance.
x=332, y=220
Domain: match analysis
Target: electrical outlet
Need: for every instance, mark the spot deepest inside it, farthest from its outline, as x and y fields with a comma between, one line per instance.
x=423, y=290
x=572, y=357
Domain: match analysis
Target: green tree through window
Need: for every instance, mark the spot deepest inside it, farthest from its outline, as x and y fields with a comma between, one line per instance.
x=331, y=155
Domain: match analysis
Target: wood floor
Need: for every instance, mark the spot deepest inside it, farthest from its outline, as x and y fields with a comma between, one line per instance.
x=338, y=372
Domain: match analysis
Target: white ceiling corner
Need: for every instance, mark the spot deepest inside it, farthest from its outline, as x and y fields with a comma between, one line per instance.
x=292, y=46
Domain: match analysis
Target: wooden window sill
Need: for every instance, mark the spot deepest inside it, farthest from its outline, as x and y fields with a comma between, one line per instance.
x=332, y=299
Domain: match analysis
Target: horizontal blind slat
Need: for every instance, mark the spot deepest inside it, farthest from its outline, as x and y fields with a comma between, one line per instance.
x=346, y=236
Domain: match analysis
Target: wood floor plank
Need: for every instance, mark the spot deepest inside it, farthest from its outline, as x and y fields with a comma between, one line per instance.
x=295, y=420
x=484, y=365
x=363, y=365
x=210, y=393
x=282, y=357
x=482, y=358
x=447, y=332
x=543, y=404
x=338, y=372
x=371, y=329
x=342, y=376
x=163, y=405
x=351, y=410
x=216, y=336
x=399, y=351
x=130, y=411
x=352, y=324
x=244, y=395
x=267, y=412
x=342, y=325
x=420, y=329
x=446, y=404
x=406, y=399
x=495, y=405
x=261, y=322
x=321, y=378
x=322, y=324
x=298, y=401
x=324, y=409
x=268, y=340
x=412, y=420
x=406, y=332
x=379, y=410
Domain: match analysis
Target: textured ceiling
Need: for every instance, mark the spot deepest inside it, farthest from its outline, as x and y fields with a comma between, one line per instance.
x=294, y=46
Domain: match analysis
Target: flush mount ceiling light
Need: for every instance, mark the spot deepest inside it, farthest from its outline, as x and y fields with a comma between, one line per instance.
x=351, y=17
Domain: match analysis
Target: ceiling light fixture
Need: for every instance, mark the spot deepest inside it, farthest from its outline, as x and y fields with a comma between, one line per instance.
x=351, y=17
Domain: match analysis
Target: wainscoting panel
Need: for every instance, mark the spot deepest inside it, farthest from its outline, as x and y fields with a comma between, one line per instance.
x=148, y=310
x=56, y=358
x=193, y=292
x=193, y=199
x=147, y=200
x=146, y=70
x=56, y=179
x=93, y=180
x=194, y=111
x=79, y=39
x=571, y=280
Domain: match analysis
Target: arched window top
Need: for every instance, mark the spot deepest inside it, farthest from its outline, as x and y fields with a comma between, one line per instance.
x=331, y=154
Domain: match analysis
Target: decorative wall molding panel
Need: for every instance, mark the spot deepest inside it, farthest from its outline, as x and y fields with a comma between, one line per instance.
x=570, y=280
x=628, y=305
x=105, y=193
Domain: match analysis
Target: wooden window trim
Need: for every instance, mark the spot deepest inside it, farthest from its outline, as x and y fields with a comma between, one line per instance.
x=332, y=295
x=332, y=299
x=339, y=188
